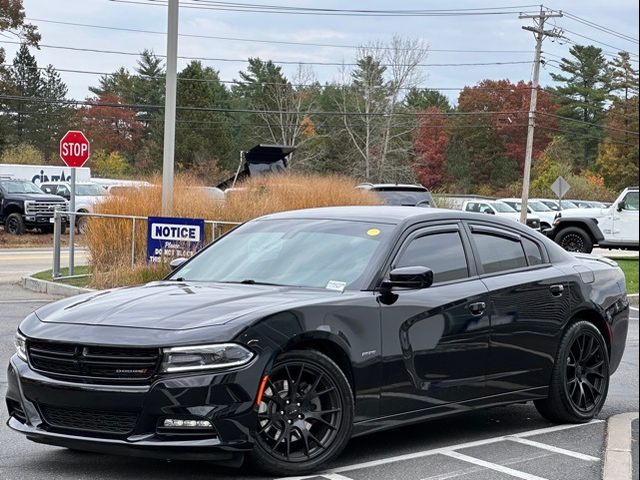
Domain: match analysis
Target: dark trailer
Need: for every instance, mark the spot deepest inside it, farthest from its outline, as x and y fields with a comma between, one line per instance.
x=259, y=161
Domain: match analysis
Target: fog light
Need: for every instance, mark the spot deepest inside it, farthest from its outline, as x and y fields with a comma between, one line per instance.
x=177, y=423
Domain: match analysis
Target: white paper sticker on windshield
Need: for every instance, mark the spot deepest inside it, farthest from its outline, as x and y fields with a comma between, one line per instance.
x=336, y=285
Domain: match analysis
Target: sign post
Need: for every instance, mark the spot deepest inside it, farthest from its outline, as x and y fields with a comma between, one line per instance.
x=74, y=152
x=560, y=187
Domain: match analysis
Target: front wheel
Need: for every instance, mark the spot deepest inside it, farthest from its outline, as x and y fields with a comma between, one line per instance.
x=575, y=239
x=580, y=377
x=14, y=224
x=305, y=416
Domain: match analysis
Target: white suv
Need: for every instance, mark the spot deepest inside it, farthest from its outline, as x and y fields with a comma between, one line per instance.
x=88, y=194
x=579, y=229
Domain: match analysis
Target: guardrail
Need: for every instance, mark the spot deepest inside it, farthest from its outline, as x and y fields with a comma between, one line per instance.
x=216, y=226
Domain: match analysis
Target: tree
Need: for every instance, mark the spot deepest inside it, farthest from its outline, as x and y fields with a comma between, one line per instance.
x=421, y=99
x=26, y=82
x=430, y=144
x=148, y=87
x=57, y=116
x=109, y=165
x=587, y=82
x=458, y=165
x=119, y=84
x=12, y=24
x=203, y=138
x=109, y=126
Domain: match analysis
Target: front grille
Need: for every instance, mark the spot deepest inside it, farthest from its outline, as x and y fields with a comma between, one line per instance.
x=43, y=208
x=93, y=363
x=97, y=421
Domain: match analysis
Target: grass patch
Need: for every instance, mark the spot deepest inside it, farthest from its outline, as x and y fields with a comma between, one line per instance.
x=75, y=282
x=630, y=269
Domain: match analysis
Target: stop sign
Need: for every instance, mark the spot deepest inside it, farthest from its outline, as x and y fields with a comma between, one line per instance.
x=74, y=148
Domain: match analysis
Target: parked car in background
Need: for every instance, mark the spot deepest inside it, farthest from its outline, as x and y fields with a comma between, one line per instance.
x=500, y=209
x=556, y=205
x=580, y=229
x=118, y=186
x=268, y=344
x=537, y=208
x=23, y=205
x=88, y=195
x=588, y=204
x=401, y=194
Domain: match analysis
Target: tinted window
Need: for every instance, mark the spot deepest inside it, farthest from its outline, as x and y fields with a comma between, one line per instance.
x=499, y=253
x=533, y=251
x=441, y=252
x=405, y=197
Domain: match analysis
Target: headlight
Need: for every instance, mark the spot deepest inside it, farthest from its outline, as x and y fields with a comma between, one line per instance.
x=21, y=346
x=205, y=357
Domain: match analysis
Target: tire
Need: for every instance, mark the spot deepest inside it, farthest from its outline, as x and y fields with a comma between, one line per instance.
x=14, y=224
x=580, y=377
x=575, y=239
x=315, y=417
x=81, y=224
x=544, y=226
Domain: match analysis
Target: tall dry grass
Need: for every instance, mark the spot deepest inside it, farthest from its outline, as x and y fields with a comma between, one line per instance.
x=110, y=240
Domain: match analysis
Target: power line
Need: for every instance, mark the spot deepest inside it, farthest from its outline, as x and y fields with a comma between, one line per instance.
x=575, y=120
x=255, y=40
x=619, y=49
x=201, y=5
x=599, y=27
x=282, y=62
x=253, y=111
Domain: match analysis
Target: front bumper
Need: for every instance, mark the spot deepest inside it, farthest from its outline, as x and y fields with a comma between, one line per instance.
x=225, y=399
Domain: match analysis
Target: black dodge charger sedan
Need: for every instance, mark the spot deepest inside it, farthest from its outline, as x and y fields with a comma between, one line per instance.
x=297, y=331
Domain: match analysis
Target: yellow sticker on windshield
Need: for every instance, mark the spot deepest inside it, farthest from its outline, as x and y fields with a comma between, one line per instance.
x=373, y=232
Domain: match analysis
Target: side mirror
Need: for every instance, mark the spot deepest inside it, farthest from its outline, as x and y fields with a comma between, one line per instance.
x=621, y=205
x=177, y=262
x=409, y=277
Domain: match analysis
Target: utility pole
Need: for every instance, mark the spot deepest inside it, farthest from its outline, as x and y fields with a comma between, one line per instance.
x=540, y=34
x=170, y=109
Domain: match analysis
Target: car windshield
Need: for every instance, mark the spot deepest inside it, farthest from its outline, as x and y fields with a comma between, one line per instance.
x=502, y=207
x=90, y=190
x=537, y=206
x=302, y=253
x=404, y=197
x=565, y=204
x=21, y=187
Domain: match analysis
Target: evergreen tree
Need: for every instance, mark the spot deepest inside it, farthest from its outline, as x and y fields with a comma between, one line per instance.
x=458, y=165
x=203, y=138
x=586, y=86
x=119, y=84
x=26, y=82
x=624, y=78
x=148, y=88
x=56, y=115
x=420, y=99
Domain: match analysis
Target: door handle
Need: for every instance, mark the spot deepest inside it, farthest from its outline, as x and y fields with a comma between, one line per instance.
x=477, y=308
x=556, y=290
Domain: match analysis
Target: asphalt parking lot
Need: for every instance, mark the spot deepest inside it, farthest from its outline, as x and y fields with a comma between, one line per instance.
x=503, y=443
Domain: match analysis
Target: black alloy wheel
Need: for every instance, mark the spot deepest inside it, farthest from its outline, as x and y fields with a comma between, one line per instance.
x=14, y=224
x=585, y=372
x=305, y=416
x=580, y=377
x=575, y=239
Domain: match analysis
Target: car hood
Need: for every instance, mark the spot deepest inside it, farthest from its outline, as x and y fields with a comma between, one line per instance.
x=40, y=197
x=584, y=212
x=171, y=305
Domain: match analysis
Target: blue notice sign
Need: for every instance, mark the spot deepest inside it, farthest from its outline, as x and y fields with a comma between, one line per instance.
x=169, y=238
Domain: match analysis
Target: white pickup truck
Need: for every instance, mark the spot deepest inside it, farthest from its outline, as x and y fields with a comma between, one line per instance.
x=580, y=229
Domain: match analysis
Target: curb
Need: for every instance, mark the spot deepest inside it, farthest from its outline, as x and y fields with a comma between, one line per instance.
x=52, y=288
x=618, y=462
x=633, y=299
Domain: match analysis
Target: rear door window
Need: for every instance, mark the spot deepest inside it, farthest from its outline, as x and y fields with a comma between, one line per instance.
x=497, y=253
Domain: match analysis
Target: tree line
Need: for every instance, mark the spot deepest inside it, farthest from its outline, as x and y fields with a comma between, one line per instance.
x=375, y=122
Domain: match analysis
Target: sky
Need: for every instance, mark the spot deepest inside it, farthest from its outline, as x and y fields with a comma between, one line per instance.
x=500, y=33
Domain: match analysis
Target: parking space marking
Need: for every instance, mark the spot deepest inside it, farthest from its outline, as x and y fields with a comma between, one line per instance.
x=492, y=466
x=444, y=450
x=551, y=448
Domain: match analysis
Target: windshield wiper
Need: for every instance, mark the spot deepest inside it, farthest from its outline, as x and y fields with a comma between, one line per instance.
x=250, y=281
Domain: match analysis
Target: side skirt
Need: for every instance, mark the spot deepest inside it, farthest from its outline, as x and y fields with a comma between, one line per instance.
x=417, y=416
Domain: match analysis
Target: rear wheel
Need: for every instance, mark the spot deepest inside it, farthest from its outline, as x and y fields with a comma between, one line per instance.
x=305, y=417
x=575, y=239
x=580, y=378
x=14, y=224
